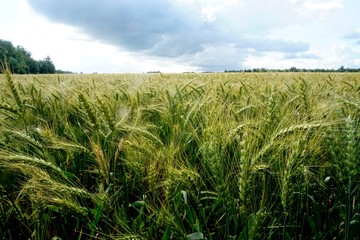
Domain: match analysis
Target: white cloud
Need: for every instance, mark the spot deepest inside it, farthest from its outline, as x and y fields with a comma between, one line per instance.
x=209, y=13
x=322, y=6
x=216, y=58
x=338, y=55
x=211, y=8
x=310, y=10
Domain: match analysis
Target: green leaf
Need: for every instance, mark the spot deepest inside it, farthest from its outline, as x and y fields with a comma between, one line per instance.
x=166, y=234
x=69, y=174
x=195, y=235
x=184, y=196
x=138, y=204
x=354, y=222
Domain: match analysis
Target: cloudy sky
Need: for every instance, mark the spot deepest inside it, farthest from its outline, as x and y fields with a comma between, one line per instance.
x=185, y=35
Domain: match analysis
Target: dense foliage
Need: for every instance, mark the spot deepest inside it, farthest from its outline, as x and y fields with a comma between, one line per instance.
x=20, y=60
x=187, y=156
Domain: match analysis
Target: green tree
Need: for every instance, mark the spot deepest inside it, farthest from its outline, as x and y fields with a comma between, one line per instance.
x=33, y=65
x=20, y=60
x=342, y=69
x=47, y=66
x=13, y=64
x=293, y=69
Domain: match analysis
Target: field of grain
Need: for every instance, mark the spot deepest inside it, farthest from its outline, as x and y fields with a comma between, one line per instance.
x=180, y=156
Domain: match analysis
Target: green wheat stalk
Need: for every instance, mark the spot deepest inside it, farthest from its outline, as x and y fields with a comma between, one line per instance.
x=88, y=109
x=14, y=91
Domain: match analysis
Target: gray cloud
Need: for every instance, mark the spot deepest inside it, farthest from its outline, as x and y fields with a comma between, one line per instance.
x=160, y=28
x=133, y=25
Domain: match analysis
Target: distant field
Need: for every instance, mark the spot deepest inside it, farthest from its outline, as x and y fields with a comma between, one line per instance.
x=180, y=156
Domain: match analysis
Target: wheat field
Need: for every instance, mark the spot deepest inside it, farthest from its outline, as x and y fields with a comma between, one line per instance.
x=180, y=156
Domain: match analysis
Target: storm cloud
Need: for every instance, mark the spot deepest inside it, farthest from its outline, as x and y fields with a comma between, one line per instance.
x=166, y=29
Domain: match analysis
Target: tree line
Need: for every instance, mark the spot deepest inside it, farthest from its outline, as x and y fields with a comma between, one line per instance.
x=19, y=60
x=294, y=69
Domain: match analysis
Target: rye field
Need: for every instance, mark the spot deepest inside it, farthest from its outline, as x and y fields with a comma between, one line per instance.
x=180, y=156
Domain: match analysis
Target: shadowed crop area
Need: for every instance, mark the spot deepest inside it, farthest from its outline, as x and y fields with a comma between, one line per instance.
x=180, y=156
